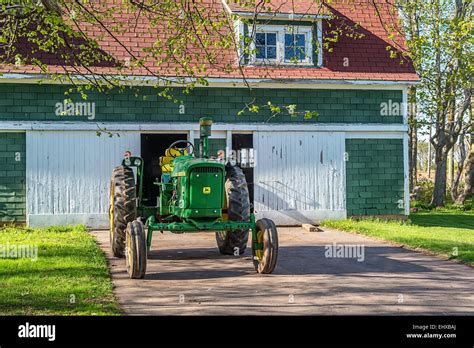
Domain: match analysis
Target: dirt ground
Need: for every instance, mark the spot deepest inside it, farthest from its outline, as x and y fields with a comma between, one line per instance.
x=186, y=275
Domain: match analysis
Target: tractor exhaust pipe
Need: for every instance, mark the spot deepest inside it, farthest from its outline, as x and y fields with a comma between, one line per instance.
x=205, y=125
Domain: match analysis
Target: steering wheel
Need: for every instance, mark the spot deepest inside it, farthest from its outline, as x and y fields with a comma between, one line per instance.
x=189, y=148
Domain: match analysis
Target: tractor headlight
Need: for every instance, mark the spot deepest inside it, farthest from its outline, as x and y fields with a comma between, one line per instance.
x=137, y=162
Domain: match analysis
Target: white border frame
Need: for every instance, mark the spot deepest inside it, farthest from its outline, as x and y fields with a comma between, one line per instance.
x=319, y=35
x=406, y=172
x=376, y=130
x=281, y=30
x=214, y=82
x=262, y=61
x=274, y=15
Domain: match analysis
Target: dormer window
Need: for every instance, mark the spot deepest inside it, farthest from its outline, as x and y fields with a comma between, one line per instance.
x=283, y=44
x=266, y=45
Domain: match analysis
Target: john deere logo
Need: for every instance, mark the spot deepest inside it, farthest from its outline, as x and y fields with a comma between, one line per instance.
x=206, y=190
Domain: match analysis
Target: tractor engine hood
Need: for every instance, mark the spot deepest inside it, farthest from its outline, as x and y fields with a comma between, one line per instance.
x=183, y=165
x=199, y=187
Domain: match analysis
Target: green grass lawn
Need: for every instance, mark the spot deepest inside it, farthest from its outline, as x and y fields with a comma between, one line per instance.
x=69, y=276
x=437, y=231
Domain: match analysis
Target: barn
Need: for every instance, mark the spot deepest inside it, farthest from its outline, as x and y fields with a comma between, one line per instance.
x=351, y=159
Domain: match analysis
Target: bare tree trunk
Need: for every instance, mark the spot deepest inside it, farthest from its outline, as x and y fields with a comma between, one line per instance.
x=451, y=168
x=415, y=156
x=429, y=150
x=440, y=178
x=469, y=178
x=469, y=174
x=457, y=176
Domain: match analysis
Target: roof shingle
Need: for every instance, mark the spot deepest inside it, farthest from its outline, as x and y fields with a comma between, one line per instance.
x=363, y=58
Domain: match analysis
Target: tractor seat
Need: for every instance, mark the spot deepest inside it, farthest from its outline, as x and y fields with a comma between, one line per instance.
x=167, y=168
x=166, y=161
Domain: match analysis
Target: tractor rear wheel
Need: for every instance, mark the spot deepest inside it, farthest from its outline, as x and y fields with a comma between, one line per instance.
x=136, y=250
x=122, y=208
x=265, y=253
x=238, y=209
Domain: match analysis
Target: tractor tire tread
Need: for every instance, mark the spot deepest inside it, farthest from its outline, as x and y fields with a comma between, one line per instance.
x=125, y=205
x=238, y=208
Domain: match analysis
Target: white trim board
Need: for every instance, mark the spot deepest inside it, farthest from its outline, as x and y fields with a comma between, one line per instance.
x=89, y=220
x=405, y=104
x=294, y=217
x=288, y=218
x=188, y=126
x=280, y=16
x=131, y=80
x=319, y=36
x=406, y=171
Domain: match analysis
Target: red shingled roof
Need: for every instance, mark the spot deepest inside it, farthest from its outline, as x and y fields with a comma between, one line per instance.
x=367, y=56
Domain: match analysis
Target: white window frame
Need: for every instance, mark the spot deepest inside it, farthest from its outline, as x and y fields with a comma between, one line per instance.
x=281, y=30
x=308, y=40
x=253, y=47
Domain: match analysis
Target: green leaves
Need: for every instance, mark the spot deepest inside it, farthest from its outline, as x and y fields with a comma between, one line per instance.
x=254, y=108
x=278, y=110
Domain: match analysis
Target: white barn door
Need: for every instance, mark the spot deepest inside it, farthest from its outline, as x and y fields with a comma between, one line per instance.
x=299, y=177
x=68, y=174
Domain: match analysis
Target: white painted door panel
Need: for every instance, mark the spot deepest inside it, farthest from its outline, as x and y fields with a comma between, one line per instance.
x=68, y=175
x=299, y=176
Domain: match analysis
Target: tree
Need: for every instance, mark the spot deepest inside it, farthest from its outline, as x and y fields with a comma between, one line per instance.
x=469, y=171
x=422, y=155
x=453, y=85
x=458, y=156
x=441, y=45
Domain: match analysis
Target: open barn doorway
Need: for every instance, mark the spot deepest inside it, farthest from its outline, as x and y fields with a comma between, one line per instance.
x=152, y=147
x=242, y=146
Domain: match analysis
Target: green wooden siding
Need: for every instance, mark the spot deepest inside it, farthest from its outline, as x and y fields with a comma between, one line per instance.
x=374, y=176
x=12, y=177
x=37, y=102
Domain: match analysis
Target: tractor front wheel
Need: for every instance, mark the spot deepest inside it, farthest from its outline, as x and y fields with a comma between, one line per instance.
x=136, y=250
x=265, y=248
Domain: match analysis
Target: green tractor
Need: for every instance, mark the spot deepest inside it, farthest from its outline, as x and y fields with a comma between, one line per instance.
x=197, y=194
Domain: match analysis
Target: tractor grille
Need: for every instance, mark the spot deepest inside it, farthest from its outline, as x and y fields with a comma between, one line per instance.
x=206, y=170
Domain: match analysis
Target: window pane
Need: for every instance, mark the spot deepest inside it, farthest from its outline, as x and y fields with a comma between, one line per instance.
x=260, y=39
x=300, y=53
x=271, y=53
x=299, y=40
x=265, y=44
x=271, y=39
x=289, y=53
x=295, y=46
